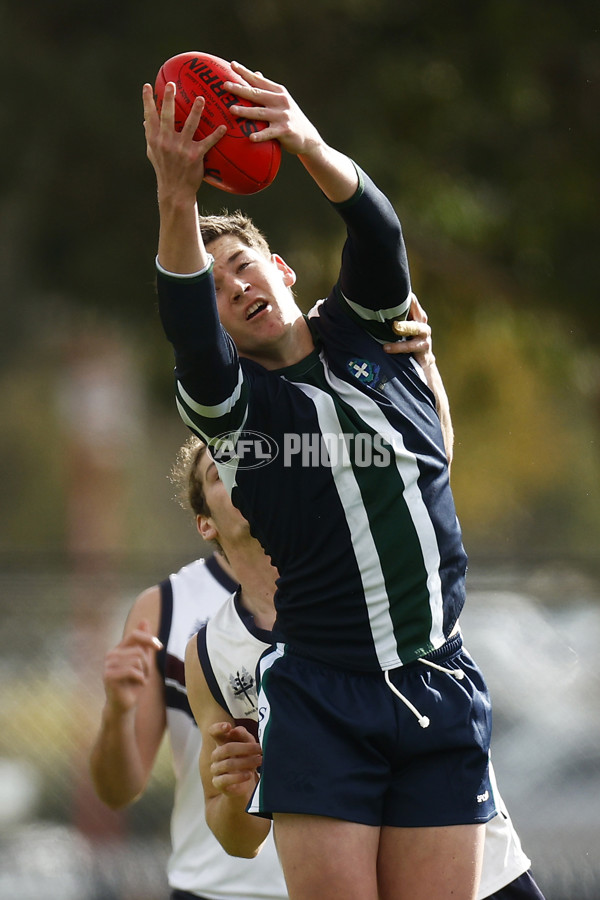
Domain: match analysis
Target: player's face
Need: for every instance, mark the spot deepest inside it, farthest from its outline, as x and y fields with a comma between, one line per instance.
x=255, y=302
x=228, y=522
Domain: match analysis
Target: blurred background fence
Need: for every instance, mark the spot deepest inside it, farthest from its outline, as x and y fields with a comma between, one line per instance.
x=534, y=629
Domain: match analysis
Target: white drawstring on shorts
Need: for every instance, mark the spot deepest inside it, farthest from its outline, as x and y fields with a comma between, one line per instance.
x=422, y=720
x=457, y=673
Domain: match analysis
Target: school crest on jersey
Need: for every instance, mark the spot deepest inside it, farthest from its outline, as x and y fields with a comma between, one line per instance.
x=367, y=372
x=244, y=689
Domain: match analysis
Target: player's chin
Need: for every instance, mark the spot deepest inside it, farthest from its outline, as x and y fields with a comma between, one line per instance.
x=259, y=339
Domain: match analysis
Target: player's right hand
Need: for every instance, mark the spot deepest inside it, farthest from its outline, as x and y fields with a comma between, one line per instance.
x=177, y=158
x=235, y=759
x=127, y=667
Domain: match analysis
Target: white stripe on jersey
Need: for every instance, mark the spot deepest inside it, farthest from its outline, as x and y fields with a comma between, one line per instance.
x=220, y=409
x=227, y=472
x=263, y=712
x=186, y=419
x=365, y=551
x=406, y=463
x=380, y=315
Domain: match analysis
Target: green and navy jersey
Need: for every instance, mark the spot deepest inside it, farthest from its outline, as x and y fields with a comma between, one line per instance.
x=337, y=462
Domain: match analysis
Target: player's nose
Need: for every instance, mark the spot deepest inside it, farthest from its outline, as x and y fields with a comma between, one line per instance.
x=238, y=288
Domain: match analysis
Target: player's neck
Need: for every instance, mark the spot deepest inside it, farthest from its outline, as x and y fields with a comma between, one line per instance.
x=253, y=569
x=259, y=602
x=223, y=562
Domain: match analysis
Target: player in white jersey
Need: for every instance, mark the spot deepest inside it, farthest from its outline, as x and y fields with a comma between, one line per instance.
x=221, y=662
x=146, y=696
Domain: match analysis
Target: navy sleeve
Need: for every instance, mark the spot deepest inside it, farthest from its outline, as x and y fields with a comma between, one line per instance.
x=374, y=281
x=211, y=391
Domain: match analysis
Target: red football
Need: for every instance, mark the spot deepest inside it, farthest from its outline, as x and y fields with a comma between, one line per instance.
x=235, y=164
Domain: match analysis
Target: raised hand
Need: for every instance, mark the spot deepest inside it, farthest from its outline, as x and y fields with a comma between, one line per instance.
x=127, y=667
x=177, y=158
x=275, y=106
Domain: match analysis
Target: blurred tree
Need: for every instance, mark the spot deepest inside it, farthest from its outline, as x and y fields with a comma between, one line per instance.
x=478, y=118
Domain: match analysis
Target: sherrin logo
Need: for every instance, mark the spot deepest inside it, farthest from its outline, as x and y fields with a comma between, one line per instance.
x=243, y=450
x=200, y=70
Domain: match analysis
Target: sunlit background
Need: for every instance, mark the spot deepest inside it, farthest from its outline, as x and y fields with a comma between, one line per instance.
x=480, y=120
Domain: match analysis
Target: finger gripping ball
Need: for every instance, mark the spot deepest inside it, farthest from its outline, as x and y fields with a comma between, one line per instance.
x=235, y=164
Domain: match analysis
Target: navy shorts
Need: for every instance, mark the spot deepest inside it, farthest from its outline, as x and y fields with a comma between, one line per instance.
x=522, y=888
x=342, y=744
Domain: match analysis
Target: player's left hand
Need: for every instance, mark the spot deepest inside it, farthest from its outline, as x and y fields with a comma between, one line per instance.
x=286, y=121
x=417, y=333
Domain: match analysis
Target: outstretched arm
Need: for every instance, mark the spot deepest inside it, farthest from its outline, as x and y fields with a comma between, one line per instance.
x=178, y=162
x=374, y=282
x=229, y=759
x=133, y=718
x=187, y=299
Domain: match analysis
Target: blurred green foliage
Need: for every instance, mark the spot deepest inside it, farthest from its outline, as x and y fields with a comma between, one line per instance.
x=479, y=119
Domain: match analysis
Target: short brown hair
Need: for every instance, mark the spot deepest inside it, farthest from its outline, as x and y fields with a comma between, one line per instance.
x=236, y=224
x=185, y=475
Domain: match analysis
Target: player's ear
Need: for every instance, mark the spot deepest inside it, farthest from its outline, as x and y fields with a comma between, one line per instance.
x=287, y=273
x=206, y=528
